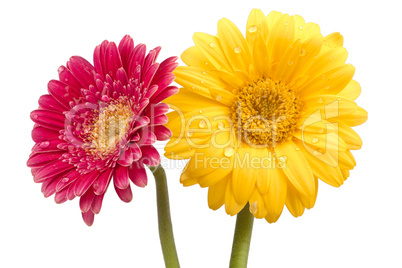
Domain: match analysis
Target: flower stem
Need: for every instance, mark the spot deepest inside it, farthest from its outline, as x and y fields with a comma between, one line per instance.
x=242, y=238
x=164, y=221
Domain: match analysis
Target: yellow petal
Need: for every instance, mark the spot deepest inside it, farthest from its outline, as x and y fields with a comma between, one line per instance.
x=351, y=91
x=280, y=38
x=288, y=62
x=256, y=24
x=275, y=197
x=331, y=106
x=193, y=57
x=217, y=192
x=184, y=101
x=234, y=45
x=260, y=56
x=296, y=167
x=231, y=206
x=329, y=174
x=331, y=82
x=187, y=180
x=334, y=40
x=272, y=18
x=245, y=173
x=354, y=119
x=211, y=48
x=267, y=170
x=293, y=202
x=329, y=141
x=198, y=80
x=351, y=138
x=328, y=60
x=257, y=205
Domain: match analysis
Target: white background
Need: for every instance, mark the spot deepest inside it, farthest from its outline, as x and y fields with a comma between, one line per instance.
x=357, y=225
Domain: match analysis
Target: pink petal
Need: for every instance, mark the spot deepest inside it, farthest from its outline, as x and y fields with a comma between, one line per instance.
x=167, y=66
x=159, y=120
x=138, y=174
x=52, y=169
x=103, y=181
x=161, y=95
x=99, y=58
x=141, y=122
x=61, y=197
x=132, y=153
x=49, y=187
x=41, y=159
x=82, y=70
x=150, y=156
x=68, y=78
x=113, y=61
x=120, y=177
x=68, y=179
x=48, y=119
x=149, y=74
x=47, y=146
x=48, y=102
x=88, y=217
x=162, y=133
x=85, y=182
x=155, y=110
x=163, y=80
x=126, y=46
x=149, y=60
x=97, y=204
x=126, y=195
x=40, y=134
x=136, y=58
x=86, y=200
x=147, y=137
x=60, y=92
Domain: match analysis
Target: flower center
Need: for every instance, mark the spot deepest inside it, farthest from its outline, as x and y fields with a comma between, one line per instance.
x=265, y=112
x=110, y=127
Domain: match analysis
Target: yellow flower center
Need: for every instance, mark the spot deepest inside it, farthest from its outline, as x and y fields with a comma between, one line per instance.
x=110, y=127
x=266, y=112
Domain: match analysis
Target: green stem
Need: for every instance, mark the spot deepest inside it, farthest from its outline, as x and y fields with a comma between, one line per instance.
x=164, y=221
x=242, y=238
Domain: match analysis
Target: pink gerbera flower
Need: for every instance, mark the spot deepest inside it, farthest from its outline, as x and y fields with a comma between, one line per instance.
x=99, y=122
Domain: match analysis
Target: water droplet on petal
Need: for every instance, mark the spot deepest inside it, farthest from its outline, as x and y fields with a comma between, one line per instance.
x=221, y=125
x=252, y=29
x=237, y=50
x=320, y=100
x=95, y=185
x=219, y=98
x=35, y=116
x=315, y=140
x=229, y=151
x=190, y=133
x=321, y=130
x=283, y=158
x=300, y=27
x=297, y=149
x=290, y=62
x=254, y=207
x=202, y=81
x=212, y=44
x=202, y=124
x=315, y=56
x=204, y=72
x=327, y=87
x=323, y=76
x=339, y=98
x=65, y=180
x=308, y=166
x=302, y=52
x=200, y=111
x=44, y=144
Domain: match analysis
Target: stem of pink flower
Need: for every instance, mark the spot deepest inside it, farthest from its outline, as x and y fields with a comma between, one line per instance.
x=164, y=220
x=242, y=238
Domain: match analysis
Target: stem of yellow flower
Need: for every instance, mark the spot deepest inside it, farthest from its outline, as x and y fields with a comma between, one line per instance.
x=242, y=238
x=164, y=220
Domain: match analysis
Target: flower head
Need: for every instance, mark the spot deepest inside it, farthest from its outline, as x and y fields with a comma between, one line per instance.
x=263, y=117
x=99, y=122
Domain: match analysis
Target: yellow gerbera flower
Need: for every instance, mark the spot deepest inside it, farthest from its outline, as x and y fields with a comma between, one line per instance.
x=263, y=117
